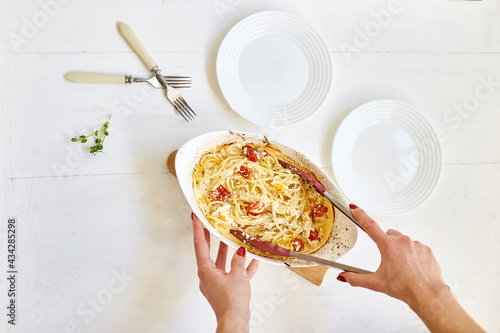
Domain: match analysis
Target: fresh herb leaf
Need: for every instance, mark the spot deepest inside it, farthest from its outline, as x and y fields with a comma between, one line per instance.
x=99, y=136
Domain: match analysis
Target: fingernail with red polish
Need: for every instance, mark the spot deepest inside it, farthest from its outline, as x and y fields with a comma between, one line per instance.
x=352, y=206
x=241, y=251
x=192, y=216
x=341, y=278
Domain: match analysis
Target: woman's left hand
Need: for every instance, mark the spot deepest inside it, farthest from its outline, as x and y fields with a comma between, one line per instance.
x=227, y=293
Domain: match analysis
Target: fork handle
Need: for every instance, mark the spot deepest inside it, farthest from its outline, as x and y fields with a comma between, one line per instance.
x=83, y=77
x=135, y=43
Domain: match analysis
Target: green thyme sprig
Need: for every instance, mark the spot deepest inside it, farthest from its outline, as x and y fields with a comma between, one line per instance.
x=99, y=137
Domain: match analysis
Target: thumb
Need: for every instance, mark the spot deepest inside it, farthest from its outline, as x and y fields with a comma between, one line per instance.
x=359, y=280
x=238, y=260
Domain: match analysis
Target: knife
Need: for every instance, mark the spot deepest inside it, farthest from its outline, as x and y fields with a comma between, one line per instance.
x=321, y=190
x=84, y=77
x=281, y=251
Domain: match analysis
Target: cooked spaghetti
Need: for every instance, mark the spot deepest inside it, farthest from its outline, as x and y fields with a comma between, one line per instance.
x=242, y=186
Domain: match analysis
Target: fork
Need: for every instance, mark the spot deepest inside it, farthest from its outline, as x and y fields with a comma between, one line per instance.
x=173, y=96
x=179, y=103
x=173, y=81
x=84, y=77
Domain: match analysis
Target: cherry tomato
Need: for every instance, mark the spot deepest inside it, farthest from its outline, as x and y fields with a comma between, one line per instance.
x=256, y=208
x=297, y=244
x=244, y=171
x=319, y=211
x=251, y=153
x=214, y=196
x=224, y=192
x=219, y=194
x=263, y=152
x=313, y=234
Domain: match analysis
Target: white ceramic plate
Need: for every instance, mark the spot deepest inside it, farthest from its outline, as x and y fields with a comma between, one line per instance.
x=386, y=157
x=344, y=232
x=274, y=69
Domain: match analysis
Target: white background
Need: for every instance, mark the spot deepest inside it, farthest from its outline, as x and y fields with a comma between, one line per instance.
x=113, y=230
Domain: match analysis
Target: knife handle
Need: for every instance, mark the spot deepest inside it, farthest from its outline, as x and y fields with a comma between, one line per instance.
x=135, y=43
x=82, y=77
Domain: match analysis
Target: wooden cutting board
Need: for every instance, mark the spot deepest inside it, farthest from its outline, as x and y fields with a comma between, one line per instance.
x=313, y=274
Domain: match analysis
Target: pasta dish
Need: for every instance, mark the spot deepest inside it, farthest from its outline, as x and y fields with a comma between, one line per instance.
x=242, y=186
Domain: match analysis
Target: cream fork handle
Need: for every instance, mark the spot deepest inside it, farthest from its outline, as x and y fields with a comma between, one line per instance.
x=82, y=77
x=135, y=43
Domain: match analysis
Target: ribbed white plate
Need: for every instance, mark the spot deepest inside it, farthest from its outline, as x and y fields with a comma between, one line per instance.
x=274, y=69
x=386, y=157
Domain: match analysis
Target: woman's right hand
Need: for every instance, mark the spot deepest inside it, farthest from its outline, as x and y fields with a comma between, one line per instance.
x=409, y=271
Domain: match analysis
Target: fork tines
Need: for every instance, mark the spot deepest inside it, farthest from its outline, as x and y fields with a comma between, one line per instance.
x=184, y=109
x=179, y=103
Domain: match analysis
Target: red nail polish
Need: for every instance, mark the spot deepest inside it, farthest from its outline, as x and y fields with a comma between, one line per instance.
x=192, y=216
x=341, y=278
x=241, y=251
x=352, y=206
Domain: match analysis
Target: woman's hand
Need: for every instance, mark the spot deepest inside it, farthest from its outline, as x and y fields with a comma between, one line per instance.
x=227, y=293
x=409, y=271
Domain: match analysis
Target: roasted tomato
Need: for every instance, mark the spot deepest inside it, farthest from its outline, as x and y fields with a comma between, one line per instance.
x=256, y=208
x=263, y=152
x=251, y=153
x=214, y=196
x=219, y=194
x=319, y=211
x=224, y=192
x=244, y=171
x=297, y=244
x=313, y=234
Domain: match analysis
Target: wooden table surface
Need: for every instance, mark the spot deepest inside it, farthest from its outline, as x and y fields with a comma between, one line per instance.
x=104, y=243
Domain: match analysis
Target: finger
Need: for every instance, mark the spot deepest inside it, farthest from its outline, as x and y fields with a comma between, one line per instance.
x=359, y=280
x=252, y=268
x=201, y=247
x=207, y=236
x=368, y=224
x=238, y=260
x=220, y=263
x=392, y=232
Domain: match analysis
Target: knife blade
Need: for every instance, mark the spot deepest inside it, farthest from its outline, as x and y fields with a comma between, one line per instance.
x=321, y=190
x=281, y=251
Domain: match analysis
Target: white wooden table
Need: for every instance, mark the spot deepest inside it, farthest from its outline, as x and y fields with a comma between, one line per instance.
x=104, y=243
